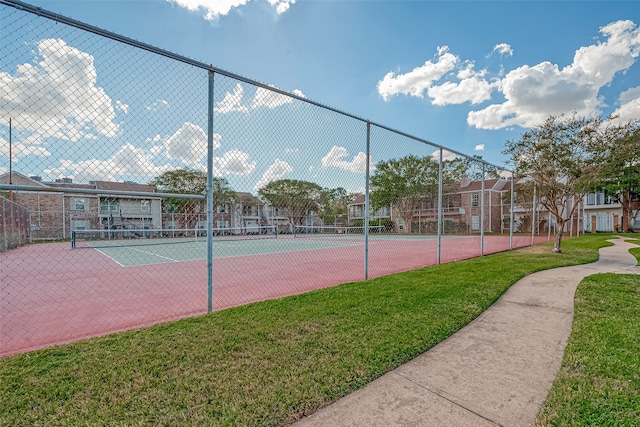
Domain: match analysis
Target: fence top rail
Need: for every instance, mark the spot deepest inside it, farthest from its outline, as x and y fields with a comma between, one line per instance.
x=199, y=64
x=101, y=192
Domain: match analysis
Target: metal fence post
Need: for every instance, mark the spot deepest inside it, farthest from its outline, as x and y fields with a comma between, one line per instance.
x=511, y=215
x=439, y=205
x=482, y=215
x=533, y=215
x=366, y=205
x=210, y=195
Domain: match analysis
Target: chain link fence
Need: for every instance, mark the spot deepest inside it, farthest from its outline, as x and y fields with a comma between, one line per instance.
x=152, y=187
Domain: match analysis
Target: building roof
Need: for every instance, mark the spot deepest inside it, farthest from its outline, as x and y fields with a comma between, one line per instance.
x=495, y=184
x=247, y=198
x=358, y=200
x=123, y=186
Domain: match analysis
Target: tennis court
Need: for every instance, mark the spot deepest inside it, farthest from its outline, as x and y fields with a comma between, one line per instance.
x=128, y=253
x=67, y=294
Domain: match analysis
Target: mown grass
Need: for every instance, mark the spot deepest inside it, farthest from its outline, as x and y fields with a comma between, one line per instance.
x=599, y=381
x=635, y=251
x=269, y=363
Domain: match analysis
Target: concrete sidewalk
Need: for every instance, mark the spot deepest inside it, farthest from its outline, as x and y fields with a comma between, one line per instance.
x=495, y=371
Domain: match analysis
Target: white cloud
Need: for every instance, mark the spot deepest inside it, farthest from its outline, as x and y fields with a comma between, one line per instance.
x=479, y=147
x=189, y=144
x=532, y=93
x=26, y=147
x=629, y=105
x=446, y=155
x=418, y=80
x=157, y=105
x=212, y=9
x=291, y=150
x=57, y=96
x=335, y=158
x=128, y=162
x=156, y=138
x=281, y=6
x=215, y=8
x=503, y=49
x=122, y=106
x=472, y=89
x=234, y=162
x=270, y=99
x=276, y=171
x=232, y=102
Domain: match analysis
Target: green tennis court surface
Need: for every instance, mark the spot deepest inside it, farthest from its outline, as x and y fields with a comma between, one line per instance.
x=128, y=256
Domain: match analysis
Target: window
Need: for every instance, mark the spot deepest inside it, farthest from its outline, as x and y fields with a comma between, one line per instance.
x=599, y=198
x=145, y=206
x=201, y=225
x=170, y=225
x=108, y=205
x=475, y=199
x=223, y=208
x=79, y=204
x=475, y=222
x=250, y=210
x=170, y=207
x=591, y=199
x=80, y=225
x=223, y=224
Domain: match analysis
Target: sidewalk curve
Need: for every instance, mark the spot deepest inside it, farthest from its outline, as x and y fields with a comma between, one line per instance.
x=495, y=371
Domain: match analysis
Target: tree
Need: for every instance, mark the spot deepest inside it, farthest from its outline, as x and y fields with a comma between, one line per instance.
x=185, y=181
x=620, y=173
x=523, y=198
x=403, y=183
x=334, y=204
x=559, y=156
x=295, y=198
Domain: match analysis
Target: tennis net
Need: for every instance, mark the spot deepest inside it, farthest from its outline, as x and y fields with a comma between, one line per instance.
x=142, y=237
x=333, y=230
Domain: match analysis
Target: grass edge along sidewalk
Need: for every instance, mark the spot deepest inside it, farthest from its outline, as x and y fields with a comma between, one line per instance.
x=599, y=380
x=267, y=363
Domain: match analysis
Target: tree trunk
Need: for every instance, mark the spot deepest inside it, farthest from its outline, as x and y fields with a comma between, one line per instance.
x=557, y=246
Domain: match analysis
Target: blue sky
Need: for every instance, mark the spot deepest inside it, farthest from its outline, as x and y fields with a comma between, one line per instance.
x=468, y=75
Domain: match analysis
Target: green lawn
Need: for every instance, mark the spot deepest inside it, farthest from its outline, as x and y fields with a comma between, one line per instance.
x=268, y=363
x=599, y=381
x=635, y=251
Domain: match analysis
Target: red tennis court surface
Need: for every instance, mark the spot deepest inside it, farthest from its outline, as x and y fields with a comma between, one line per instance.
x=53, y=295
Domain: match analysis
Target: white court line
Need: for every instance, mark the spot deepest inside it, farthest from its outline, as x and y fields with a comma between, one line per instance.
x=110, y=257
x=154, y=254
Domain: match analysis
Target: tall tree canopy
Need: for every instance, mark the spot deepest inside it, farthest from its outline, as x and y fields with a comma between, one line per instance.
x=559, y=155
x=620, y=171
x=185, y=181
x=294, y=198
x=402, y=183
x=334, y=204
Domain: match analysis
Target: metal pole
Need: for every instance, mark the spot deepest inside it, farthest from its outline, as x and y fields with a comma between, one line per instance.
x=209, y=196
x=511, y=215
x=533, y=215
x=10, y=162
x=366, y=205
x=482, y=215
x=440, y=206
